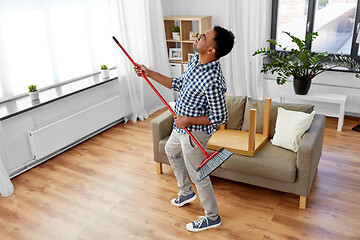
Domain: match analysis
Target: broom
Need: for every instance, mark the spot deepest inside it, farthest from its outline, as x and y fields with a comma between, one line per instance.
x=206, y=166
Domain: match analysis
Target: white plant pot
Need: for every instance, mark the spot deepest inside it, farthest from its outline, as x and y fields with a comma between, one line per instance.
x=34, y=95
x=105, y=73
x=176, y=35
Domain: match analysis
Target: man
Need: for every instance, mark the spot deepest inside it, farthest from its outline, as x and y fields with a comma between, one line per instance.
x=200, y=106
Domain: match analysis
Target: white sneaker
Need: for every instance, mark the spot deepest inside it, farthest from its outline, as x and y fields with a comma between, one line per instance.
x=182, y=199
x=203, y=223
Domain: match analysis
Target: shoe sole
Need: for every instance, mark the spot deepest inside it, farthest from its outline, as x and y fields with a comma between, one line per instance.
x=189, y=227
x=184, y=202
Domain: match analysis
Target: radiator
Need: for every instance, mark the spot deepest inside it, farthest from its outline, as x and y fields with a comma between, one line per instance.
x=65, y=132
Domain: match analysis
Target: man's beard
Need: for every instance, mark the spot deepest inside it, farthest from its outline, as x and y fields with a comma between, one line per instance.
x=195, y=44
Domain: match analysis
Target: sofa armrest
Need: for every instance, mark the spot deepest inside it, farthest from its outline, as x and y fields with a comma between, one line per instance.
x=309, y=154
x=161, y=127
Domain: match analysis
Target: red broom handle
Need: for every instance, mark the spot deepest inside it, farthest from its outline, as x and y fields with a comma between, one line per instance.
x=161, y=98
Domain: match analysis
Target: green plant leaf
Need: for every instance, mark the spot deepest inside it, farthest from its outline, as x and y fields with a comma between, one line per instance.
x=272, y=41
x=32, y=88
x=175, y=29
x=300, y=62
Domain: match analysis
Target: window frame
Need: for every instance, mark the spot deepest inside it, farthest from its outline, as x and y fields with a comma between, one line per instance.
x=310, y=25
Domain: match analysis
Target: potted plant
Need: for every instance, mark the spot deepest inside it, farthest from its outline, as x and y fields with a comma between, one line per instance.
x=33, y=92
x=104, y=72
x=301, y=63
x=175, y=32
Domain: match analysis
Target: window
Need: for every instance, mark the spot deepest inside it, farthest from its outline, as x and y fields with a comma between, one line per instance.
x=46, y=42
x=336, y=21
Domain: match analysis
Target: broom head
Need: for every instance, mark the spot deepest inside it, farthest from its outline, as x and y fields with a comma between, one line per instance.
x=212, y=162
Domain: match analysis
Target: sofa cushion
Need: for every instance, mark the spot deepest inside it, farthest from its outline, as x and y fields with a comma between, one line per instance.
x=290, y=126
x=236, y=107
x=259, y=106
x=270, y=162
x=162, y=144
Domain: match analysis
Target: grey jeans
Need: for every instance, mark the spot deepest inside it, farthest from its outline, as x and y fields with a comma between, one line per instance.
x=185, y=157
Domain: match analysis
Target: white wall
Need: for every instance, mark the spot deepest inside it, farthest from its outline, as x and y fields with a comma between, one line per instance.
x=216, y=9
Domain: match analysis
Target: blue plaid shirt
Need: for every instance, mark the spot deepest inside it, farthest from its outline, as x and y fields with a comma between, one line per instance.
x=202, y=90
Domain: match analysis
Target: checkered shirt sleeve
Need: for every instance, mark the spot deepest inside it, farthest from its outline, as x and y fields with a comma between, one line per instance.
x=217, y=105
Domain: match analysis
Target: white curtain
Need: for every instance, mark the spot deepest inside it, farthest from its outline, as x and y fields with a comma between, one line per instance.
x=250, y=23
x=46, y=42
x=138, y=25
x=6, y=187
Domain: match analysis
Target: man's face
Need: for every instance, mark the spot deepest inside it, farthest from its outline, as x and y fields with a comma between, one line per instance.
x=205, y=41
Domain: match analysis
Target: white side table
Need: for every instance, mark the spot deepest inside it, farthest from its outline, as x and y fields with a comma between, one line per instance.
x=321, y=97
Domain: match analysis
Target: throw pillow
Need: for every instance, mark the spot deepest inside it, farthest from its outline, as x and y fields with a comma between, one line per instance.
x=259, y=106
x=306, y=108
x=290, y=126
x=236, y=106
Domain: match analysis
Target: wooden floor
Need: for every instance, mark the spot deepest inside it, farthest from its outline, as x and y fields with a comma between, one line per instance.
x=107, y=188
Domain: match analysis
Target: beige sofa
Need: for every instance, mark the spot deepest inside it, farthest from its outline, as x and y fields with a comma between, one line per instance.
x=272, y=167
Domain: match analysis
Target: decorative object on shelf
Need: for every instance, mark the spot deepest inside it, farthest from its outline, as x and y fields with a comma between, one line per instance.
x=33, y=92
x=176, y=32
x=301, y=63
x=190, y=55
x=193, y=35
x=104, y=72
x=175, y=53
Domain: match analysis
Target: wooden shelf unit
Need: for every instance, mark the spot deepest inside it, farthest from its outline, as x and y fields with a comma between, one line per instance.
x=201, y=23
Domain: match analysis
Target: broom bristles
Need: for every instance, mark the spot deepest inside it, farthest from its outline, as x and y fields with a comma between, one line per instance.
x=213, y=163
